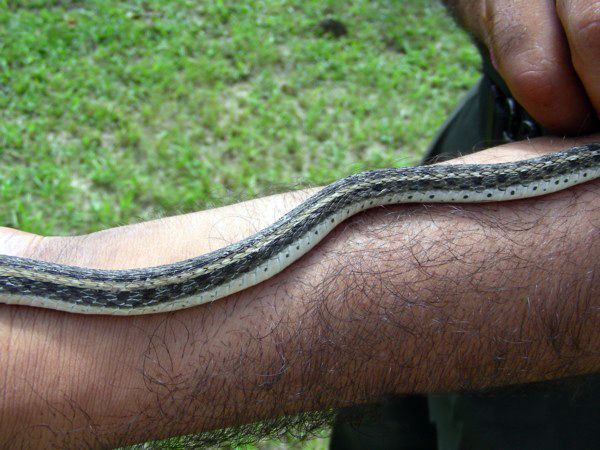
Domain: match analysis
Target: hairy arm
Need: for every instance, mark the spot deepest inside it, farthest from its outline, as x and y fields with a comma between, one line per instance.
x=399, y=299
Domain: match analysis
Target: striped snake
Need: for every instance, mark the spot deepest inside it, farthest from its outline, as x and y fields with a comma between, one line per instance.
x=254, y=259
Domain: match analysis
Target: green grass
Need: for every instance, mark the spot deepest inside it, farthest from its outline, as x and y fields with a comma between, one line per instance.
x=113, y=112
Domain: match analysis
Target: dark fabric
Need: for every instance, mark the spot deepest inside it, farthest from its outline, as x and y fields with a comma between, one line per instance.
x=563, y=414
x=487, y=116
x=398, y=423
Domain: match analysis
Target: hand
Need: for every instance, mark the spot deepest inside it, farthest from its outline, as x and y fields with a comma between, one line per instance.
x=548, y=53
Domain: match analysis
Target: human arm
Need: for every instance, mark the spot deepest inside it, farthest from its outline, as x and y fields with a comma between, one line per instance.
x=400, y=299
x=546, y=52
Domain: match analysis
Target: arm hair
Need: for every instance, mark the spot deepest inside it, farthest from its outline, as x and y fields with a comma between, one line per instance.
x=400, y=299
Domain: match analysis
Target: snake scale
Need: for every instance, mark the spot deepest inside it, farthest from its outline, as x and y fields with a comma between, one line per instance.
x=252, y=260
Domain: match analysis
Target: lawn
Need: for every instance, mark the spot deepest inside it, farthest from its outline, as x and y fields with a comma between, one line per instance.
x=115, y=112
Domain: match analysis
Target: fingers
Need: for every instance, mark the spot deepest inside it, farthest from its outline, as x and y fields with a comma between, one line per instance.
x=530, y=50
x=581, y=22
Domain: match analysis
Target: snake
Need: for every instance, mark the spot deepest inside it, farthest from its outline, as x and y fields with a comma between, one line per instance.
x=252, y=260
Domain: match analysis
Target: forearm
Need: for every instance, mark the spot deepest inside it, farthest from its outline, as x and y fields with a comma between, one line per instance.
x=402, y=299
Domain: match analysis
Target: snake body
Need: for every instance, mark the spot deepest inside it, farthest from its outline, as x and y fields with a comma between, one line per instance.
x=252, y=260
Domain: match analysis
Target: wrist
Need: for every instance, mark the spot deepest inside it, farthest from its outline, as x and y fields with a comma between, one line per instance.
x=19, y=243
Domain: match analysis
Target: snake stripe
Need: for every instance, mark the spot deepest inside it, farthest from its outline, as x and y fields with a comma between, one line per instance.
x=266, y=253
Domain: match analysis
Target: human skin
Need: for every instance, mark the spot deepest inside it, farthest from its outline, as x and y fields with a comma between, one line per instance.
x=402, y=299
x=547, y=52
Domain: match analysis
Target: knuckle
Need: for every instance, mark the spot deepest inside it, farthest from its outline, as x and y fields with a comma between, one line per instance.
x=534, y=84
x=508, y=40
x=585, y=27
